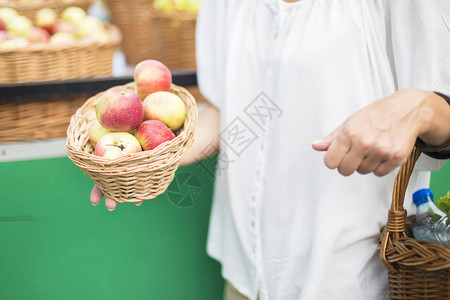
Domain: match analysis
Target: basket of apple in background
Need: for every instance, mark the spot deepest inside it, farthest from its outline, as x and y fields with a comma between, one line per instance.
x=130, y=139
x=28, y=8
x=55, y=46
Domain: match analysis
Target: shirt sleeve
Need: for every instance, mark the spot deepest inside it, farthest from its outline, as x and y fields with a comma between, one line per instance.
x=420, y=39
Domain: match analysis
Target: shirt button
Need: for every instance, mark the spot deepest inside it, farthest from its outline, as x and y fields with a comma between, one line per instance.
x=253, y=223
x=257, y=172
x=253, y=198
x=254, y=249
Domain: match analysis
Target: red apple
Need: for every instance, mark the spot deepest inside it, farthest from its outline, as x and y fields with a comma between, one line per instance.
x=46, y=18
x=38, y=35
x=96, y=132
x=19, y=25
x=120, y=109
x=73, y=14
x=152, y=133
x=165, y=107
x=116, y=144
x=4, y=36
x=63, y=26
x=151, y=76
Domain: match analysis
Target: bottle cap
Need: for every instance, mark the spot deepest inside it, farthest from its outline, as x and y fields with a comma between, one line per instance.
x=422, y=196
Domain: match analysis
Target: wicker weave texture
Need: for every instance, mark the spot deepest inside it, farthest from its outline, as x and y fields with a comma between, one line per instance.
x=417, y=269
x=30, y=120
x=137, y=176
x=150, y=34
x=29, y=9
x=44, y=62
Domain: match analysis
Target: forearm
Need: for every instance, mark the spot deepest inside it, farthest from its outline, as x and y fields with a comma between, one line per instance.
x=206, y=136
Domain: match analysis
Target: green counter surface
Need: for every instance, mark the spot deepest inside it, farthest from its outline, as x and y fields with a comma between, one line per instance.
x=56, y=245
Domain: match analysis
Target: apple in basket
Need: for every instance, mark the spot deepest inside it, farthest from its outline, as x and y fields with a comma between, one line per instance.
x=46, y=18
x=19, y=25
x=116, y=144
x=152, y=133
x=97, y=36
x=96, y=132
x=66, y=27
x=61, y=38
x=2, y=25
x=151, y=76
x=14, y=42
x=38, y=35
x=165, y=107
x=7, y=14
x=73, y=14
x=4, y=36
x=120, y=109
x=88, y=26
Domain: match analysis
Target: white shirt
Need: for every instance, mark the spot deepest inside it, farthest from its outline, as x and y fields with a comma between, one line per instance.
x=283, y=75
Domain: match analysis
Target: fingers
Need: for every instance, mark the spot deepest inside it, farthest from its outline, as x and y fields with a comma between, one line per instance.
x=337, y=150
x=364, y=154
x=110, y=204
x=385, y=168
x=350, y=163
x=324, y=143
x=371, y=162
x=96, y=195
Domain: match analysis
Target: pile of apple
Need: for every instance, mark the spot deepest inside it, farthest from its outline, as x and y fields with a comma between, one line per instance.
x=72, y=26
x=131, y=122
x=191, y=6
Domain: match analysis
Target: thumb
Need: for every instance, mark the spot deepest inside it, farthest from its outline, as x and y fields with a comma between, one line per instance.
x=323, y=143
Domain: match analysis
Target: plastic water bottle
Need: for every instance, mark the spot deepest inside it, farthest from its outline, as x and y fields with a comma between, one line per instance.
x=431, y=223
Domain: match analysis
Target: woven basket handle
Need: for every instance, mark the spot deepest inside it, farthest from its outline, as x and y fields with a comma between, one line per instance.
x=396, y=222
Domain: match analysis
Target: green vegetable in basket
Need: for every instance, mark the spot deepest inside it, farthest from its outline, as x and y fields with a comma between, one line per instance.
x=443, y=203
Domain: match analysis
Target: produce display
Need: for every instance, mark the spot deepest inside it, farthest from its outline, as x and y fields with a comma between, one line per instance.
x=70, y=27
x=180, y=5
x=40, y=2
x=129, y=122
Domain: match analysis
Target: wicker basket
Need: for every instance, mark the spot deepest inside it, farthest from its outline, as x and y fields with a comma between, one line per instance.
x=43, y=119
x=29, y=120
x=417, y=269
x=168, y=37
x=137, y=176
x=29, y=9
x=44, y=62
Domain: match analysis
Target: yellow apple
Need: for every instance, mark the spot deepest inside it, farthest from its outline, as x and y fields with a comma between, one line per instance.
x=96, y=132
x=165, y=107
x=116, y=144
